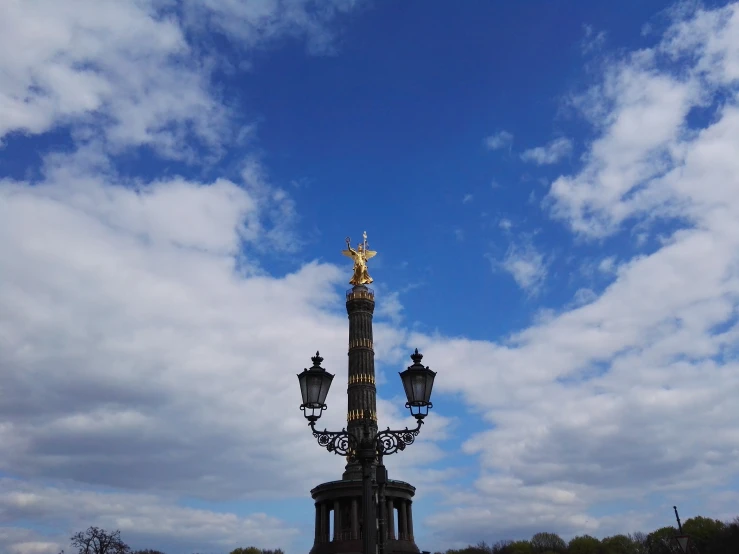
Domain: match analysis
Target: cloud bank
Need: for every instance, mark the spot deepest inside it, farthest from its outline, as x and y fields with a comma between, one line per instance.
x=142, y=343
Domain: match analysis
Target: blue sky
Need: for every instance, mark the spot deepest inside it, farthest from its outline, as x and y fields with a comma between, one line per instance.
x=552, y=190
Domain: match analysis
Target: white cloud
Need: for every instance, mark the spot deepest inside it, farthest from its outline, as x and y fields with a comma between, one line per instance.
x=103, y=64
x=508, y=503
x=584, y=296
x=143, y=347
x=143, y=519
x=17, y=540
x=127, y=360
x=138, y=354
x=252, y=23
x=607, y=265
x=125, y=71
x=634, y=166
x=389, y=306
x=526, y=264
x=467, y=198
x=630, y=395
x=592, y=40
x=501, y=139
x=550, y=153
x=145, y=286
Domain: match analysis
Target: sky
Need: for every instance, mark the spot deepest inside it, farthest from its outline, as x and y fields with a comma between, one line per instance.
x=553, y=191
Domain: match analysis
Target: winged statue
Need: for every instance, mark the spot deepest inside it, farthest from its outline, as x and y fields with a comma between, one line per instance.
x=360, y=257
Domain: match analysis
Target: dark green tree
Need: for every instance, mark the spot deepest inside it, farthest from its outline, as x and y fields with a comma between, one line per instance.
x=703, y=532
x=727, y=540
x=255, y=550
x=584, y=544
x=619, y=544
x=708, y=536
x=640, y=542
x=479, y=548
x=658, y=542
x=498, y=547
x=518, y=547
x=548, y=542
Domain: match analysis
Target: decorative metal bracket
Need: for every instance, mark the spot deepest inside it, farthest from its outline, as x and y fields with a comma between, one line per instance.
x=390, y=442
x=341, y=442
x=387, y=442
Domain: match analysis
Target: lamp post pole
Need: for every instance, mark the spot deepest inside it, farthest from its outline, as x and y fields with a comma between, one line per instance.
x=369, y=538
x=382, y=519
x=370, y=448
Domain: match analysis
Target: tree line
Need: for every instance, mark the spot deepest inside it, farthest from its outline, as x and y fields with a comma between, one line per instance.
x=99, y=541
x=707, y=536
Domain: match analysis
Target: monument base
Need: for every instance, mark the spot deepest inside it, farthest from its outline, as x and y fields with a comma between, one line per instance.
x=340, y=522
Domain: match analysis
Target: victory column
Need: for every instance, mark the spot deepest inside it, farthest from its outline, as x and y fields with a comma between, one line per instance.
x=364, y=496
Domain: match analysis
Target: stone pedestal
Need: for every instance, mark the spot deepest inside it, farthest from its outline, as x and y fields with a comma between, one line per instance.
x=346, y=497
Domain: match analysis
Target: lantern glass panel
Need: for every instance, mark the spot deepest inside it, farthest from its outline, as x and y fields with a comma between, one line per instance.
x=418, y=384
x=326, y=379
x=418, y=387
x=303, y=386
x=314, y=385
x=429, y=385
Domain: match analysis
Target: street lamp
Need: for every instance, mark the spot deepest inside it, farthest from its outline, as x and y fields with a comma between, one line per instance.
x=314, y=385
x=370, y=447
x=418, y=382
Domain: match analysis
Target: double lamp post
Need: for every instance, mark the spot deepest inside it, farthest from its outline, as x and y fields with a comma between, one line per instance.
x=368, y=447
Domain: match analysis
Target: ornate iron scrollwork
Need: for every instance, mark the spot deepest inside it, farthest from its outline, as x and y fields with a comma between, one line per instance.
x=341, y=442
x=387, y=442
x=390, y=442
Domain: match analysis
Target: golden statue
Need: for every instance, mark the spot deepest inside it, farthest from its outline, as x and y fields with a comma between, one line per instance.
x=360, y=257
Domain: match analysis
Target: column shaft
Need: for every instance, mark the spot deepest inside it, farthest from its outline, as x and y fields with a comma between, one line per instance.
x=402, y=521
x=390, y=519
x=337, y=521
x=355, y=519
x=324, y=522
x=409, y=515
